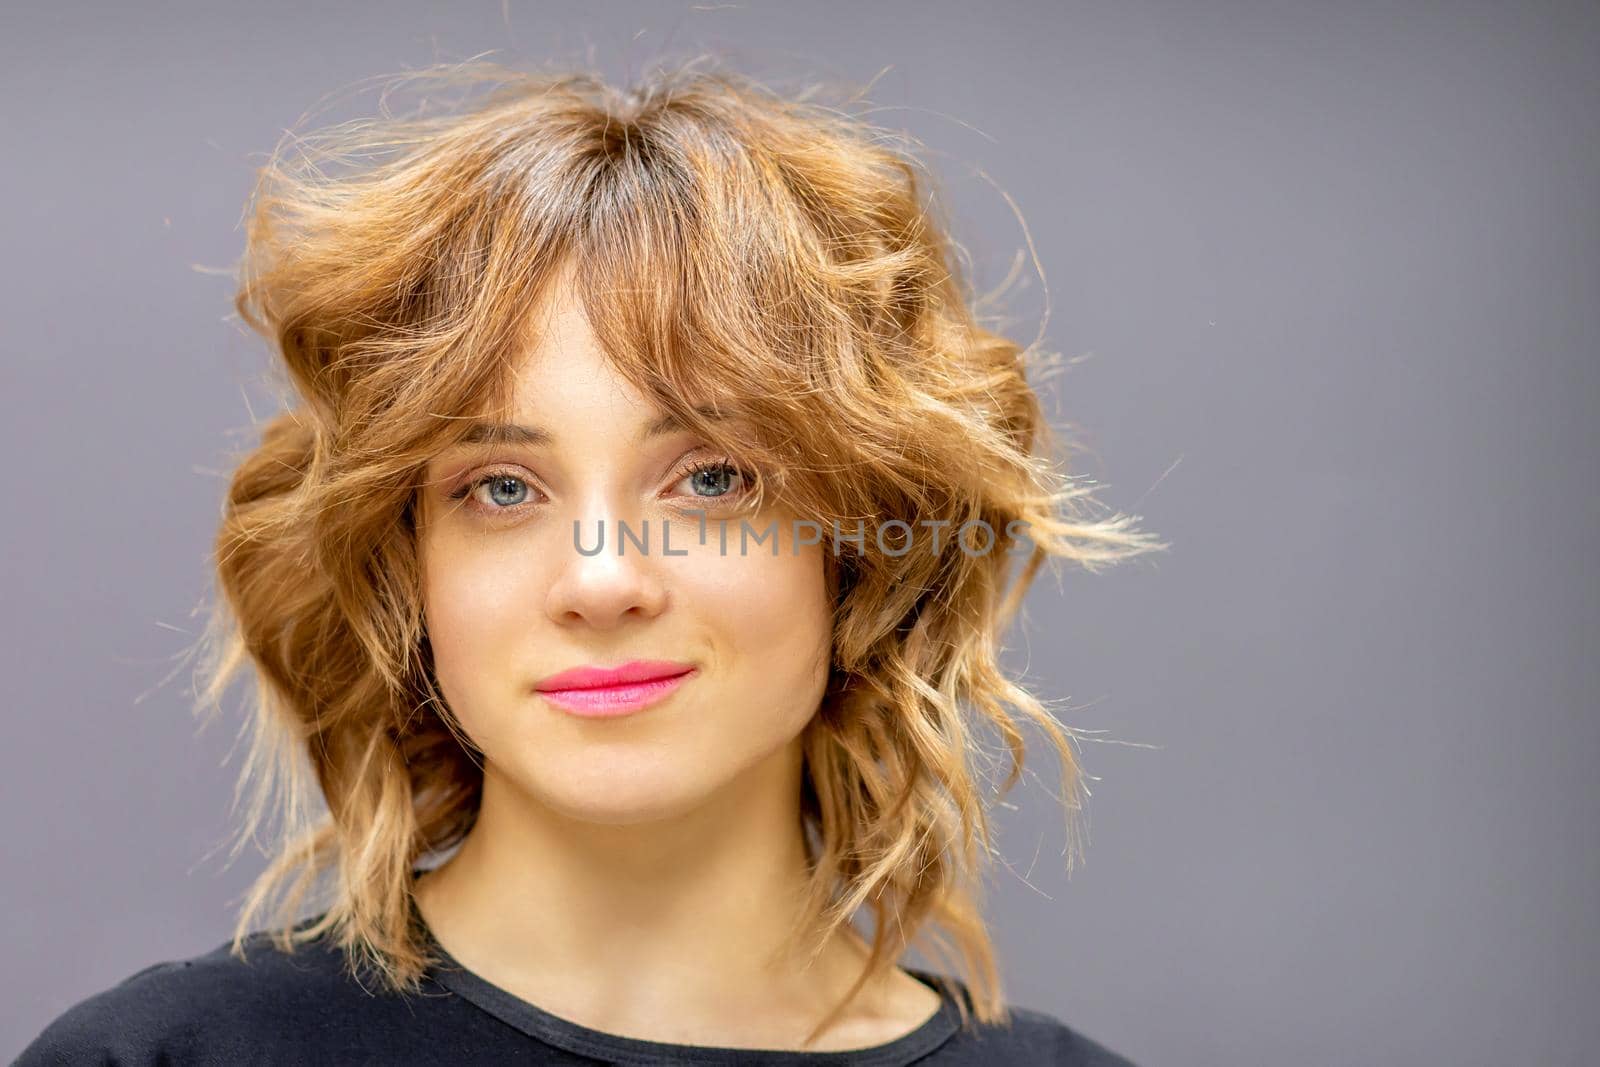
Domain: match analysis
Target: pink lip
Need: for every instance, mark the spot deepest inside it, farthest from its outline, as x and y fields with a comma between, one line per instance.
x=605, y=691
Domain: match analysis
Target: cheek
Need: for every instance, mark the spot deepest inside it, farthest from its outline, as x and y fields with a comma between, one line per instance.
x=478, y=613
x=771, y=616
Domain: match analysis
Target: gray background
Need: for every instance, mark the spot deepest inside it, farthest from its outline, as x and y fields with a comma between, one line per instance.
x=1334, y=267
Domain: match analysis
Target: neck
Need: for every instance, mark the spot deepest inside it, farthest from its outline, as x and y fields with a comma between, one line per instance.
x=591, y=919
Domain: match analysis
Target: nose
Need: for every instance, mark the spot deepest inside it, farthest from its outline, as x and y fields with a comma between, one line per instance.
x=604, y=589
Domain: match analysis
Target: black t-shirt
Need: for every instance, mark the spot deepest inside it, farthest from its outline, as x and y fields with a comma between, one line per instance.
x=305, y=1008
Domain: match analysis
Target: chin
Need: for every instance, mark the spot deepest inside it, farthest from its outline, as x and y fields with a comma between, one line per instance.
x=622, y=791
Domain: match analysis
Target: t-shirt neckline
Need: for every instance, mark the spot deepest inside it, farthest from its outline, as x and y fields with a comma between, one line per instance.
x=615, y=1048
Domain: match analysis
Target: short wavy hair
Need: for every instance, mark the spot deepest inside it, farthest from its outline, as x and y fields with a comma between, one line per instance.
x=733, y=246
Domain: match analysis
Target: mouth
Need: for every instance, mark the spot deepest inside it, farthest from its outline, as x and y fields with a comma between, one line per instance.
x=596, y=692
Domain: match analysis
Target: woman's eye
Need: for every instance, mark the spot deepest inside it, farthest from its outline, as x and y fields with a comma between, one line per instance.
x=505, y=490
x=496, y=491
x=721, y=479
x=502, y=491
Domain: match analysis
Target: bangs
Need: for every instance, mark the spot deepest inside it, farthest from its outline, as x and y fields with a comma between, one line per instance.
x=671, y=282
x=698, y=274
x=767, y=275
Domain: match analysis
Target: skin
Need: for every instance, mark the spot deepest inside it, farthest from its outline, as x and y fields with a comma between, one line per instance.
x=635, y=875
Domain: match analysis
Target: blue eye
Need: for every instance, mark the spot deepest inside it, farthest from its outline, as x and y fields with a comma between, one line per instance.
x=506, y=491
x=507, y=484
x=714, y=480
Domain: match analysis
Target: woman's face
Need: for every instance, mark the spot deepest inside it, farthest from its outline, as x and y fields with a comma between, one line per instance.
x=510, y=601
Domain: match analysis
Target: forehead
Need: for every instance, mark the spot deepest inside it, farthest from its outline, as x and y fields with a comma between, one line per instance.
x=490, y=432
x=557, y=337
x=561, y=380
x=560, y=368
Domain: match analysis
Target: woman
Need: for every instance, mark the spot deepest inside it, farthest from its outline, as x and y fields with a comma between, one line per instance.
x=629, y=572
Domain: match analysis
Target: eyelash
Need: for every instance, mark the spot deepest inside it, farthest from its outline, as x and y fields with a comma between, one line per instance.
x=467, y=491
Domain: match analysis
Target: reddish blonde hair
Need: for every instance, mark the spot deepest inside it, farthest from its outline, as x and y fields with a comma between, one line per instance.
x=732, y=246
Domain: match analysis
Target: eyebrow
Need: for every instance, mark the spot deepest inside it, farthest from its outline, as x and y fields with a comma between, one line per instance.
x=517, y=434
